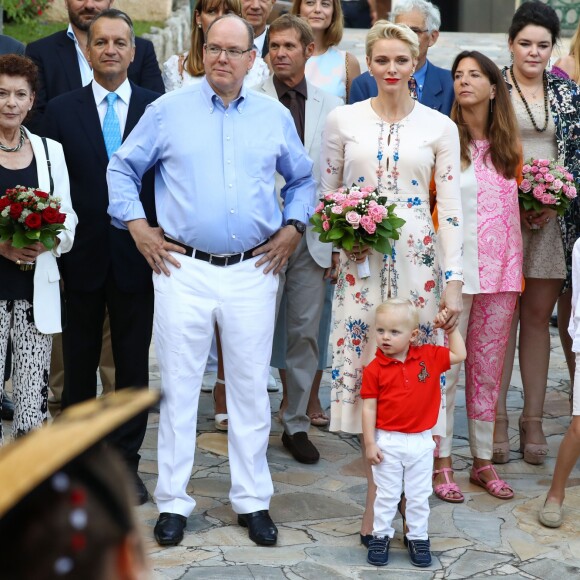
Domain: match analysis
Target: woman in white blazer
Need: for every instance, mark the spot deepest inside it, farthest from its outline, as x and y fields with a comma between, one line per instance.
x=29, y=299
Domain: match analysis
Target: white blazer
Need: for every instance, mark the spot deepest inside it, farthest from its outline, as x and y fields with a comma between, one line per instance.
x=46, y=295
x=318, y=104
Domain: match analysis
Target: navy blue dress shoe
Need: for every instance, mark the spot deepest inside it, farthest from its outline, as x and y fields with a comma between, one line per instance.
x=260, y=526
x=169, y=529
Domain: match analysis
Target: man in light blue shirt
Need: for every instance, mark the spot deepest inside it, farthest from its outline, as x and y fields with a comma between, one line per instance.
x=222, y=240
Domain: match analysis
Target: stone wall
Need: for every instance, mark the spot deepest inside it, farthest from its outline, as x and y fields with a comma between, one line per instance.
x=136, y=9
x=174, y=38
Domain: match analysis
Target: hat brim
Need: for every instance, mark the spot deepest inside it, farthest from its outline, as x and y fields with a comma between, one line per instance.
x=30, y=460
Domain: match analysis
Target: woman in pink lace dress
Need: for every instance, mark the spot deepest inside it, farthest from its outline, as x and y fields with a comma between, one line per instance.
x=490, y=158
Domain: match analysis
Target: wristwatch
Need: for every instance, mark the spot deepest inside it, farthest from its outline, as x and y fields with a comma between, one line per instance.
x=300, y=226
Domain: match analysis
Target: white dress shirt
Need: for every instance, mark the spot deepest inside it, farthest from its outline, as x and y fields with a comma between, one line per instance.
x=84, y=66
x=121, y=104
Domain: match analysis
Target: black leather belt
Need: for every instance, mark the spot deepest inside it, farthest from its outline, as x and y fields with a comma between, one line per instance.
x=215, y=259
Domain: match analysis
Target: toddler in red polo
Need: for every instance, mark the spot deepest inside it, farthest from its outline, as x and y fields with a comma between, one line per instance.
x=401, y=401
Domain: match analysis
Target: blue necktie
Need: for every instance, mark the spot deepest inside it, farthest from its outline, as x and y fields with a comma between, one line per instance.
x=111, y=126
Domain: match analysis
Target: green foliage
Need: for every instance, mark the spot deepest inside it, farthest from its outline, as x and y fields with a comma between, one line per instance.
x=24, y=10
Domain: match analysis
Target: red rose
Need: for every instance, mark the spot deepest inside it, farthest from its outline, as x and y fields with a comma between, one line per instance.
x=61, y=217
x=33, y=221
x=427, y=240
x=4, y=202
x=50, y=215
x=41, y=194
x=15, y=210
x=429, y=285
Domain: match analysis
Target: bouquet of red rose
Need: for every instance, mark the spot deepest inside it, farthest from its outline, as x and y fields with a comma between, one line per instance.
x=360, y=216
x=546, y=184
x=29, y=215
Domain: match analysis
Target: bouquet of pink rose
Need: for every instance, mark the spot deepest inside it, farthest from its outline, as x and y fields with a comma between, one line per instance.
x=359, y=216
x=29, y=215
x=546, y=184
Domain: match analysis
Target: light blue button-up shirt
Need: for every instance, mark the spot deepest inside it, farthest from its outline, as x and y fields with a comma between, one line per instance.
x=214, y=169
x=420, y=80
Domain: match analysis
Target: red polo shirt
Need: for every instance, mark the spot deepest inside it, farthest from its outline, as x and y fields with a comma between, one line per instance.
x=408, y=393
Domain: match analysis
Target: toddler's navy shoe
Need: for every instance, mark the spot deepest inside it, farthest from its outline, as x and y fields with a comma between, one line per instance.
x=379, y=551
x=419, y=552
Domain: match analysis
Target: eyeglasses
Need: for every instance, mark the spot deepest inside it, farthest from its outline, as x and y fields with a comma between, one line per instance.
x=418, y=31
x=233, y=53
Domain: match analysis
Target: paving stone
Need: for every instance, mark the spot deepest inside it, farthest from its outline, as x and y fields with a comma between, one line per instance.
x=238, y=536
x=301, y=478
x=549, y=569
x=355, y=467
x=481, y=527
x=211, y=487
x=311, y=571
x=475, y=561
x=275, y=555
x=213, y=442
x=414, y=574
x=337, y=528
x=234, y=572
x=178, y=556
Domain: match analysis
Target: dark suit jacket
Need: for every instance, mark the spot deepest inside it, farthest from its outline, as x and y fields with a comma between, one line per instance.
x=72, y=120
x=58, y=70
x=9, y=45
x=437, y=91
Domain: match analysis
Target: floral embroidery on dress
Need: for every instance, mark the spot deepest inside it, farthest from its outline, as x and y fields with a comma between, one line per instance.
x=453, y=221
x=446, y=176
x=331, y=169
x=414, y=182
x=413, y=201
x=361, y=298
x=418, y=300
x=419, y=252
x=356, y=337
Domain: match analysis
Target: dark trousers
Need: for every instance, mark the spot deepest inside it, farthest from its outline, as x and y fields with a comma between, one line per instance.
x=356, y=14
x=131, y=318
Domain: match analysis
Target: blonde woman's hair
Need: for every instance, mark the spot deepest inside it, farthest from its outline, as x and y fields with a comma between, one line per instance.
x=383, y=29
x=575, y=53
x=400, y=303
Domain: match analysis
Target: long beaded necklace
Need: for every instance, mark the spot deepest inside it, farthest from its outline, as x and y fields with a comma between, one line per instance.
x=545, y=85
x=18, y=147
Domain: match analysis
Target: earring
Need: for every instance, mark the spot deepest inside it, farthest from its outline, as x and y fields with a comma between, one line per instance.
x=370, y=72
x=491, y=105
x=512, y=57
x=199, y=26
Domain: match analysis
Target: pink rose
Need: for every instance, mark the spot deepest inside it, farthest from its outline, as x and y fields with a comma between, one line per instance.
x=325, y=226
x=557, y=185
x=525, y=185
x=572, y=192
x=368, y=224
x=337, y=209
x=526, y=168
x=544, y=170
x=544, y=162
x=353, y=219
x=355, y=195
x=339, y=197
x=535, y=169
x=329, y=197
x=319, y=207
x=569, y=176
x=538, y=191
x=565, y=188
x=368, y=189
x=548, y=199
x=549, y=177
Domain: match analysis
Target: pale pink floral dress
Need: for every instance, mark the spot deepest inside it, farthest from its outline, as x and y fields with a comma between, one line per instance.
x=358, y=147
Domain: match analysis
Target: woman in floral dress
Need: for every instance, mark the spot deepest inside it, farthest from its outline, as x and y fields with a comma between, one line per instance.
x=395, y=144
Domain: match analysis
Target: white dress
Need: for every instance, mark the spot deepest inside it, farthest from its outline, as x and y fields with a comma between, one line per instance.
x=399, y=159
x=175, y=76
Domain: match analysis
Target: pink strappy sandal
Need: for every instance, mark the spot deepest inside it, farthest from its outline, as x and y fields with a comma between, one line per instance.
x=443, y=490
x=495, y=486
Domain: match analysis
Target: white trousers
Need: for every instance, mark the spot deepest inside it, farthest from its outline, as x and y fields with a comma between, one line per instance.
x=407, y=461
x=242, y=300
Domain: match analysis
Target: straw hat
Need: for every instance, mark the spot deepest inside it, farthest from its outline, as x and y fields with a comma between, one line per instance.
x=30, y=460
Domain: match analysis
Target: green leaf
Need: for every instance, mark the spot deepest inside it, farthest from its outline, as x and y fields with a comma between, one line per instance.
x=19, y=240
x=335, y=234
x=32, y=235
x=47, y=239
x=383, y=246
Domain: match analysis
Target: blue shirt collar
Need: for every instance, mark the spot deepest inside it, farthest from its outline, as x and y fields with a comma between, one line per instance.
x=420, y=78
x=213, y=100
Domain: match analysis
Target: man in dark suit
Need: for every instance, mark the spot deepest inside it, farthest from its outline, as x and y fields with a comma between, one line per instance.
x=9, y=45
x=434, y=85
x=257, y=12
x=104, y=269
x=62, y=58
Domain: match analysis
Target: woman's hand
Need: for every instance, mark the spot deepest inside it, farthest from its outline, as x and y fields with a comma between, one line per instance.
x=452, y=303
x=359, y=253
x=533, y=219
x=27, y=254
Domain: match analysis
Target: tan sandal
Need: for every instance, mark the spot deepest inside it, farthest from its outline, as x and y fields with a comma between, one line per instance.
x=534, y=453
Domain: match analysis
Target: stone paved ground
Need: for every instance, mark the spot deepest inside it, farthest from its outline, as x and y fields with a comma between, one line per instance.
x=318, y=508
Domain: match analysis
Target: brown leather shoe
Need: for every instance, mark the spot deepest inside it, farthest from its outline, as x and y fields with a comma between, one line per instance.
x=301, y=448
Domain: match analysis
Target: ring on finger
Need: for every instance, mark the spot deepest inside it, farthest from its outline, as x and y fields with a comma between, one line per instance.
x=18, y=262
